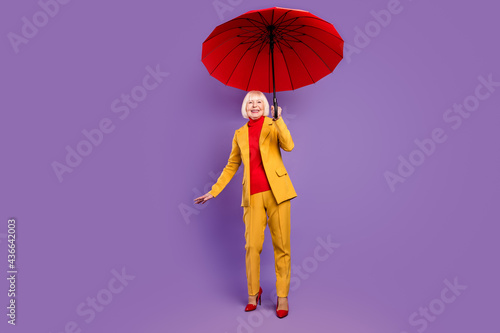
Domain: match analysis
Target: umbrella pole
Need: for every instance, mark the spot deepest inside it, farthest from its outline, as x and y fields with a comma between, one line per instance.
x=271, y=46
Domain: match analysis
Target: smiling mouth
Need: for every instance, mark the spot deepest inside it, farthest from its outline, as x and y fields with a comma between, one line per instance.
x=255, y=111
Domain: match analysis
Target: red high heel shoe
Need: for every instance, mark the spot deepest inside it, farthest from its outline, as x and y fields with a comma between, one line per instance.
x=281, y=313
x=251, y=307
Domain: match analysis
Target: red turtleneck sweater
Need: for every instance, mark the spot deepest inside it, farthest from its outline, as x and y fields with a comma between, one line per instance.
x=258, y=179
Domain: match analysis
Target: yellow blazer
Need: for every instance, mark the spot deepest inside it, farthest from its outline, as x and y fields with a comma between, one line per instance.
x=274, y=135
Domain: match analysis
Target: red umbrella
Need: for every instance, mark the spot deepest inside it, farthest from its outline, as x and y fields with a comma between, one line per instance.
x=273, y=49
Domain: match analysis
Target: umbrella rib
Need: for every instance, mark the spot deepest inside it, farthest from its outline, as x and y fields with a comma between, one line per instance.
x=234, y=48
x=305, y=67
x=285, y=23
x=263, y=20
x=293, y=19
x=319, y=40
x=253, y=67
x=300, y=41
x=330, y=70
x=277, y=23
x=309, y=26
x=229, y=78
x=287, y=69
x=226, y=41
x=240, y=18
x=264, y=31
x=307, y=17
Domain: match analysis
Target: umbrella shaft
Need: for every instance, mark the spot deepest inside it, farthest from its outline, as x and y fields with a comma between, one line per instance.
x=275, y=101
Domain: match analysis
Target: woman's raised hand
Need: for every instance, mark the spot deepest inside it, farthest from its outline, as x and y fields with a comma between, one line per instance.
x=204, y=198
x=279, y=111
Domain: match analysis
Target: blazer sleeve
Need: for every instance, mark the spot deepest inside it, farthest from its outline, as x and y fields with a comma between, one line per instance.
x=284, y=136
x=230, y=169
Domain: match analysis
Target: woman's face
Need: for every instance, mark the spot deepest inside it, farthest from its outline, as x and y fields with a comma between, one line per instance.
x=255, y=107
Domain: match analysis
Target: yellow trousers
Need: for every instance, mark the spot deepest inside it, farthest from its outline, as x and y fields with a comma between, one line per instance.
x=278, y=218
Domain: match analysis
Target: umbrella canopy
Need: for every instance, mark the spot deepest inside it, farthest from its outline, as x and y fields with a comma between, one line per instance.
x=273, y=49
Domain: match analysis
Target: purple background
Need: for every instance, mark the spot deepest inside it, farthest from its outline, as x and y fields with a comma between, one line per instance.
x=121, y=207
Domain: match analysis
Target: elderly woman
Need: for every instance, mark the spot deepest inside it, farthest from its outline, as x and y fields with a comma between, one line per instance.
x=266, y=189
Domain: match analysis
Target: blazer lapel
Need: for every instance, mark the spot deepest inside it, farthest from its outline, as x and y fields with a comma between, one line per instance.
x=264, y=134
x=244, y=145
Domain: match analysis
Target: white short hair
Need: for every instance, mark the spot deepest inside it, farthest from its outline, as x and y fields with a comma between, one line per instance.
x=247, y=97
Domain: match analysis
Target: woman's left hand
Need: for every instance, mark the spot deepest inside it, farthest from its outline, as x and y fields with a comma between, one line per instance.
x=279, y=111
